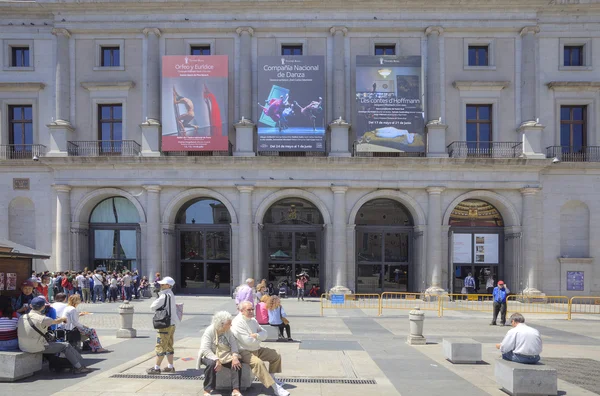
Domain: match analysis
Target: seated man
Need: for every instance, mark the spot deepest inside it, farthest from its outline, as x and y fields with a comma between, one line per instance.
x=31, y=329
x=522, y=344
x=249, y=334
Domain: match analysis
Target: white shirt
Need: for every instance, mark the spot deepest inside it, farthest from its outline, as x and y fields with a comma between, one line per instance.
x=162, y=295
x=72, y=316
x=59, y=307
x=97, y=280
x=79, y=280
x=522, y=340
x=126, y=281
x=489, y=282
x=242, y=327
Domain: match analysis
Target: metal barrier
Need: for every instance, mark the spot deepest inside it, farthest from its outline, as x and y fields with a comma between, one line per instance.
x=467, y=302
x=408, y=301
x=352, y=301
x=584, y=305
x=549, y=305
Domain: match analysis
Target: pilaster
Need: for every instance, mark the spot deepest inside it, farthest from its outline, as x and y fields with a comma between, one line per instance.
x=247, y=268
x=153, y=234
x=244, y=138
x=339, y=138
x=434, y=240
x=245, y=33
x=151, y=127
x=339, y=241
x=339, y=74
x=63, y=227
x=530, y=239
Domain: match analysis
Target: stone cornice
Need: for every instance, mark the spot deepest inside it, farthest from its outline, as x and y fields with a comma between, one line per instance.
x=108, y=86
x=480, y=85
x=21, y=86
x=434, y=29
x=435, y=189
x=529, y=30
x=243, y=29
x=336, y=29
x=576, y=260
x=339, y=189
x=61, y=32
x=61, y=187
x=155, y=31
x=153, y=188
x=243, y=188
x=574, y=85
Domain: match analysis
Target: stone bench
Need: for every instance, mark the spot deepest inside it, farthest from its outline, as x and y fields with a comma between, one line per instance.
x=520, y=379
x=462, y=350
x=272, y=331
x=16, y=365
x=224, y=377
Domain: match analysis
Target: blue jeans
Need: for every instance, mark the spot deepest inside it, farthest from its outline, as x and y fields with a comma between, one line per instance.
x=99, y=293
x=9, y=345
x=128, y=293
x=515, y=357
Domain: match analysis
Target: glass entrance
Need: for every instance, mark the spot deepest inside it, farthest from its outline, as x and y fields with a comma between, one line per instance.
x=485, y=276
x=383, y=260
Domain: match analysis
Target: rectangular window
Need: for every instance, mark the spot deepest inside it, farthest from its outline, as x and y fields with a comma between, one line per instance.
x=479, y=129
x=479, y=55
x=20, y=127
x=385, y=50
x=291, y=50
x=573, y=55
x=200, y=50
x=110, y=56
x=573, y=128
x=110, y=128
x=19, y=57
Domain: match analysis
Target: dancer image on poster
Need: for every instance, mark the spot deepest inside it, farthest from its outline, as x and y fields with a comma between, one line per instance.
x=310, y=110
x=214, y=112
x=184, y=120
x=274, y=109
x=288, y=110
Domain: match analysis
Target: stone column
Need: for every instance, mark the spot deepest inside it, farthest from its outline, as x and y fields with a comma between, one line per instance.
x=339, y=72
x=245, y=240
x=436, y=129
x=245, y=91
x=63, y=227
x=530, y=127
x=153, y=234
x=60, y=127
x=529, y=220
x=151, y=132
x=339, y=241
x=434, y=240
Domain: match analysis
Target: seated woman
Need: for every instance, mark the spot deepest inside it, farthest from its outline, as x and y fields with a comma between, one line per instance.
x=261, y=312
x=72, y=323
x=219, y=348
x=277, y=317
x=8, y=325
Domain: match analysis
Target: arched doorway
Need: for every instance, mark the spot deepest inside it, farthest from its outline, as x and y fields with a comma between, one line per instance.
x=203, y=235
x=477, y=245
x=384, y=230
x=115, y=235
x=293, y=242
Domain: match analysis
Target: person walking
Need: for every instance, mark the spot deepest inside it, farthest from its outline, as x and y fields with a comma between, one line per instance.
x=219, y=349
x=300, y=283
x=165, y=337
x=245, y=293
x=500, y=293
x=522, y=344
x=470, y=284
x=489, y=284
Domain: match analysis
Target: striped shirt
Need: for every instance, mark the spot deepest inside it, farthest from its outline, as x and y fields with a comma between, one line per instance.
x=8, y=328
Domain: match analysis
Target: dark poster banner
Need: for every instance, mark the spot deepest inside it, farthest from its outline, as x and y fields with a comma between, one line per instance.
x=389, y=104
x=194, y=103
x=291, y=95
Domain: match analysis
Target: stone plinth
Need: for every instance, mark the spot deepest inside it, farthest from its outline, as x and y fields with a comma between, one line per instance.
x=224, y=378
x=526, y=379
x=462, y=350
x=18, y=365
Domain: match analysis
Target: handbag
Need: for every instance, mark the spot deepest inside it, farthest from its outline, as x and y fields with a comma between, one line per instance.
x=283, y=320
x=49, y=336
x=223, y=351
x=162, y=316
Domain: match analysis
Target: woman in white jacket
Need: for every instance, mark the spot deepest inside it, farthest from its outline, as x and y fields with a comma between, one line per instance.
x=72, y=323
x=219, y=349
x=165, y=337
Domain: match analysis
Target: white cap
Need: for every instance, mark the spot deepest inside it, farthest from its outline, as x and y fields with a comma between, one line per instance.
x=167, y=280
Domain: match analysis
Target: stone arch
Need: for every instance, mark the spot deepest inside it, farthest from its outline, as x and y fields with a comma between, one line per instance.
x=21, y=221
x=180, y=199
x=509, y=213
x=291, y=193
x=409, y=202
x=84, y=208
x=574, y=229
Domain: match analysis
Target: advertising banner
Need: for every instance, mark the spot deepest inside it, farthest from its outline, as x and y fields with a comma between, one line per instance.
x=291, y=95
x=462, y=248
x=389, y=104
x=194, y=103
x=486, y=248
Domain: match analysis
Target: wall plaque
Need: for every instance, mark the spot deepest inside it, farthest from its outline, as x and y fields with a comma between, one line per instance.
x=20, y=184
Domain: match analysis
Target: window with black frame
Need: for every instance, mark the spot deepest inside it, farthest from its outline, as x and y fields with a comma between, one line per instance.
x=479, y=130
x=573, y=128
x=110, y=128
x=20, y=129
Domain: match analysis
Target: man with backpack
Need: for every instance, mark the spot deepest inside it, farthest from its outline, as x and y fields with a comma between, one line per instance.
x=165, y=309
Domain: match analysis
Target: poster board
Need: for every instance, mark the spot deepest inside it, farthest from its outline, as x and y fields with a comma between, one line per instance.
x=462, y=249
x=15, y=271
x=486, y=249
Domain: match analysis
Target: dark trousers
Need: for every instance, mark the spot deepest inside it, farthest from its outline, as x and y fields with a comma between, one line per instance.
x=287, y=329
x=515, y=357
x=210, y=375
x=470, y=290
x=499, y=307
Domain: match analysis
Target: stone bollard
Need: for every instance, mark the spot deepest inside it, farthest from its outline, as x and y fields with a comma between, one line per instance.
x=126, y=312
x=416, y=317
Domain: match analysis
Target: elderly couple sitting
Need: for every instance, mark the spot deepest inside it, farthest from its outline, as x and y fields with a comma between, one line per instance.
x=229, y=342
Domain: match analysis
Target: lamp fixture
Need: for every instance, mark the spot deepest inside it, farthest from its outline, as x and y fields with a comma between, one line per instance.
x=384, y=72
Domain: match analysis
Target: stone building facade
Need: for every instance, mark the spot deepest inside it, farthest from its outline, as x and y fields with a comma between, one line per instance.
x=525, y=209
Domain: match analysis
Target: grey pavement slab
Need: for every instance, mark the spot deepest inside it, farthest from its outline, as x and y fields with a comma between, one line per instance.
x=322, y=345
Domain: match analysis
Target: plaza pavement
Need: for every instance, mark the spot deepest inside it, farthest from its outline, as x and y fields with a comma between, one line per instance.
x=351, y=345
